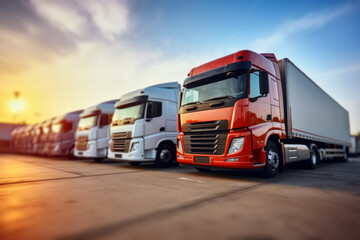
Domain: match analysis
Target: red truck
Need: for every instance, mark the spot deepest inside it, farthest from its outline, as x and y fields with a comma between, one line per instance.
x=251, y=111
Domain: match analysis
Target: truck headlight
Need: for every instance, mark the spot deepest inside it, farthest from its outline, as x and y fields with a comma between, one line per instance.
x=236, y=144
x=179, y=145
x=134, y=147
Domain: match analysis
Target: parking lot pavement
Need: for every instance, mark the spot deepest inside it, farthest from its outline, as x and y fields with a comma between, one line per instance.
x=50, y=198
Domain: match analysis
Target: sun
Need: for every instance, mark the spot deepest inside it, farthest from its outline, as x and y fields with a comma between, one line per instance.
x=17, y=105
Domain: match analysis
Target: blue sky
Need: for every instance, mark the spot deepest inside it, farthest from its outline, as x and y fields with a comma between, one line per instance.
x=72, y=53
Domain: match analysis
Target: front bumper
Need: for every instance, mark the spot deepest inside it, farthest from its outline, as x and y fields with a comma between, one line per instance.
x=244, y=157
x=139, y=155
x=91, y=151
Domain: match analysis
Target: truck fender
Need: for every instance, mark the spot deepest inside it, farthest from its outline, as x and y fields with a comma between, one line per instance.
x=166, y=140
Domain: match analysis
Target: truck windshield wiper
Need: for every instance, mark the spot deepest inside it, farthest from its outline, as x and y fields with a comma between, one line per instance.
x=197, y=102
x=221, y=97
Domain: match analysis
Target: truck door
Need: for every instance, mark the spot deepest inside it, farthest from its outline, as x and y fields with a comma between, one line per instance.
x=259, y=112
x=103, y=131
x=275, y=105
x=154, y=123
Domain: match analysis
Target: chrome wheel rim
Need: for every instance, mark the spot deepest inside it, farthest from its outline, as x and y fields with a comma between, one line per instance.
x=313, y=158
x=165, y=155
x=273, y=160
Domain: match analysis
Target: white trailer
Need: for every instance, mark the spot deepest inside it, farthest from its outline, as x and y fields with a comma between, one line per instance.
x=144, y=127
x=93, y=132
x=311, y=116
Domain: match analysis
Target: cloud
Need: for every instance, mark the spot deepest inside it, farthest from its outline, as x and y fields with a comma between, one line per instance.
x=39, y=31
x=64, y=15
x=108, y=17
x=310, y=21
x=25, y=38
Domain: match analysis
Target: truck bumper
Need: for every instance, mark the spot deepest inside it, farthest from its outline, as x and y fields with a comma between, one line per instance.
x=91, y=151
x=138, y=155
x=243, y=159
x=243, y=162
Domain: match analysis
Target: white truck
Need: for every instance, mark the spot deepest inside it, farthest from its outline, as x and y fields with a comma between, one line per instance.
x=144, y=126
x=62, y=134
x=93, y=134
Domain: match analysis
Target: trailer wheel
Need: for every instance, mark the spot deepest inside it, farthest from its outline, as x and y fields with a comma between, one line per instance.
x=346, y=155
x=313, y=162
x=164, y=155
x=272, y=164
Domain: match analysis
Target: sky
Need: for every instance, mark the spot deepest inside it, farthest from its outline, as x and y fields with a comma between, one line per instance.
x=65, y=55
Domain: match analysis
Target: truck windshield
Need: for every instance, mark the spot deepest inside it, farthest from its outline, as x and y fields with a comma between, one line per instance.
x=134, y=112
x=56, y=128
x=38, y=131
x=87, y=122
x=46, y=129
x=228, y=87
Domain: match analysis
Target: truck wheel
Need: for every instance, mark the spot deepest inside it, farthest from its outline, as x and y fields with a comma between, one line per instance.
x=314, y=160
x=346, y=156
x=164, y=155
x=203, y=169
x=272, y=160
x=72, y=153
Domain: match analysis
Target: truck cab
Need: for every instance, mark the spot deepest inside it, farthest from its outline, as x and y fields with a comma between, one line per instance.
x=37, y=131
x=62, y=135
x=93, y=131
x=44, y=136
x=143, y=127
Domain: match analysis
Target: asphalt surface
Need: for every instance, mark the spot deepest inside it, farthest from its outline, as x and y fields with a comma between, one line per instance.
x=52, y=198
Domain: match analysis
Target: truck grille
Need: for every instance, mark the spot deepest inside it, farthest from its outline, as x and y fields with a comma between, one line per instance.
x=120, y=142
x=81, y=143
x=205, y=137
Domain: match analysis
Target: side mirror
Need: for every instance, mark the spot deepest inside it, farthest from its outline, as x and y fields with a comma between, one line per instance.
x=180, y=97
x=264, y=82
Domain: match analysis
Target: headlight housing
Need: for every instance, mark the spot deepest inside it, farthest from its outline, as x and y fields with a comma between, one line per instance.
x=236, y=145
x=179, y=145
x=134, y=147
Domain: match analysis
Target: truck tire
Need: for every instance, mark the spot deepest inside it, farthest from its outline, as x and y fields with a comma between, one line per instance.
x=165, y=154
x=72, y=153
x=272, y=164
x=313, y=162
x=346, y=155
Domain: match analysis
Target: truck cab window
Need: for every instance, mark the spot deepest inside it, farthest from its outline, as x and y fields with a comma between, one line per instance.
x=154, y=109
x=254, y=84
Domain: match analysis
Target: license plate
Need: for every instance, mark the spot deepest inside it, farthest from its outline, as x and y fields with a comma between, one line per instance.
x=201, y=159
x=118, y=155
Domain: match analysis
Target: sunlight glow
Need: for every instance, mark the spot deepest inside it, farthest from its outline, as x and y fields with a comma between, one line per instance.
x=17, y=105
